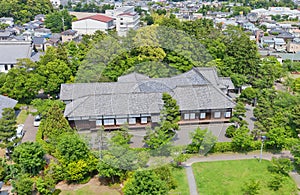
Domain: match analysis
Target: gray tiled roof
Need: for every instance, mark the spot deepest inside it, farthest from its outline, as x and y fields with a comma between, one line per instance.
x=227, y=82
x=6, y=102
x=10, y=51
x=196, y=89
x=38, y=40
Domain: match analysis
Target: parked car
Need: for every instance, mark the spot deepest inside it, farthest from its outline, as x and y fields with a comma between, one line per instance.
x=37, y=121
x=20, y=131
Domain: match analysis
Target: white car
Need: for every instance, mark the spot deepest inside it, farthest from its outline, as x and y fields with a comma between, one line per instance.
x=20, y=131
x=37, y=121
x=19, y=134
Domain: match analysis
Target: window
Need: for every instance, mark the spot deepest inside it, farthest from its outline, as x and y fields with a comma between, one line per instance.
x=132, y=121
x=98, y=122
x=217, y=115
x=192, y=116
x=227, y=114
x=186, y=117
x=121, y=23
x=144, y=120
x=202, y=115
x=121, y=121
x=121, y=18
x=109, y=121
x=5, y=67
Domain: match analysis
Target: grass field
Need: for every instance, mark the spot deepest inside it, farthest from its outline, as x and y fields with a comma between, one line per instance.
x=181, y=180
x=228, y=177
x=22, y=116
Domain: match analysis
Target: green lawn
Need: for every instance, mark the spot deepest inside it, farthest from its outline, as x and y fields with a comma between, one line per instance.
x=181, y=180
x=22, y=116
x=228, y=177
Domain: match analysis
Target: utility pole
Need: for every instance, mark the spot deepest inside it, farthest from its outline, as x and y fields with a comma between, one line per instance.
x=63, y=23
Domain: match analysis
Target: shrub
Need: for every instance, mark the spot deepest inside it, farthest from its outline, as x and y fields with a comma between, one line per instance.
x=230, y=131
x=222, y=147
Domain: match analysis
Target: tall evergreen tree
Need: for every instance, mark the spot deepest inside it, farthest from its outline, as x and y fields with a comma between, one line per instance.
x=7, y=125
x=54, y=124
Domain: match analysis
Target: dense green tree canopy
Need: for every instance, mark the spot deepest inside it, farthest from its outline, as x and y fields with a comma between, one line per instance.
x=30, y=157
x=145, y=182
x=58, y=21
x=24, y=10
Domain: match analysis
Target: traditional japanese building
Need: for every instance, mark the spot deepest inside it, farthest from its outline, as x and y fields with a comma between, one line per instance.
x=136, y=100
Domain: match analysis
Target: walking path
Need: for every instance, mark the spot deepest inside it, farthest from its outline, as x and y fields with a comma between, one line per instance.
x=232, y=156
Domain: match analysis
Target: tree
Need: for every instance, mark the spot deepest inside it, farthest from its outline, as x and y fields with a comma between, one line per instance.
x=251, y=188
x=169, y=118
x=22, y=84
x=7, y=126
x=58, y=21
x=121, y=138
x=30, y=157
x=54, y=124
x=230, y=131
x=241, y=140
x=45, y=185
x=248, y=95
x=145, y=182
x=276, y=182
x=202, y=141
x=165, y=174
x=24, y=11
x=269, y=70
x=56, y=72
x=280, y=166
x=23, y=184
x=71, y=148
x=43, y=106
x=238, y=115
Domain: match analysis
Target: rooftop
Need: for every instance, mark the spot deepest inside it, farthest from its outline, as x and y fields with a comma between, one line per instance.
x=98, y=17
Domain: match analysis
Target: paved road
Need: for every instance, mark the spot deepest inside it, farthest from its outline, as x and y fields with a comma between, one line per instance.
x=224, y=157
x=191, y=180
x=249, y=116
x=30, y=130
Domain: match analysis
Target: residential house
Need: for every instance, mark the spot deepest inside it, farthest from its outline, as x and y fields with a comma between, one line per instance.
x=39, y=43
x=127, y=21
x=296, y=32
x=69, y=35
x=10, y=51
x=293, y=46
x=136, y=100
x=279, y=44
x=5, y=35
x=42, y=32
x=286, y=36
x=89, y=25
x=40, y=17
x=9, y=21
x=6, y=102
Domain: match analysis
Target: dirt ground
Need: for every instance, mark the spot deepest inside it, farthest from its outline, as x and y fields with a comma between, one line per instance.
x=93, y=187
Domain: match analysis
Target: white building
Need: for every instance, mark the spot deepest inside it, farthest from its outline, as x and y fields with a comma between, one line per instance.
x=120, y=10
x=55, y=3
x=127, y=21
x=8, y=21
x=89, y=25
